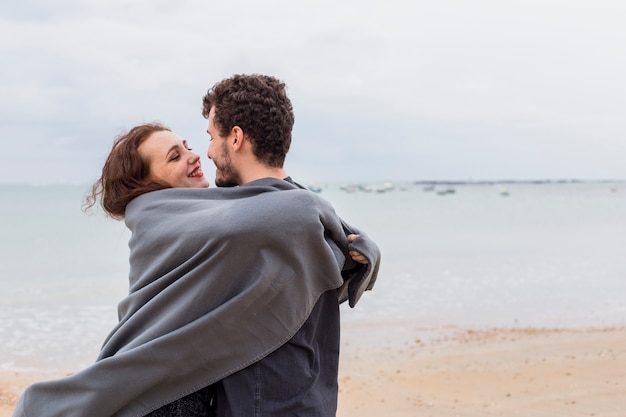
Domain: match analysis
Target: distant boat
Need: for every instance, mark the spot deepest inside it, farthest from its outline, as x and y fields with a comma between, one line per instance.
x=378, y=188
x=387, y=186
x=315, y=188
x=349, y=188
x=446, y=191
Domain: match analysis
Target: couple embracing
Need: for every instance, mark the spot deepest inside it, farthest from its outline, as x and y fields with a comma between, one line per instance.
x=234, y=293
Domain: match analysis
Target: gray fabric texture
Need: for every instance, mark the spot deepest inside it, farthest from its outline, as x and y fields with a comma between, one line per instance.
x=219, y=279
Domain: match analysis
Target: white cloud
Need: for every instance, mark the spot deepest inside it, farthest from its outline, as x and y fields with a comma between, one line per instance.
x=380, y=88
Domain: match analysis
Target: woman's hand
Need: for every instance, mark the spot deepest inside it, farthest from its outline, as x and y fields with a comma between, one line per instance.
x=356, y=256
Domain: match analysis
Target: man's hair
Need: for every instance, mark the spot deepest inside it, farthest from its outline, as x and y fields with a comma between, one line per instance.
x=259, y=105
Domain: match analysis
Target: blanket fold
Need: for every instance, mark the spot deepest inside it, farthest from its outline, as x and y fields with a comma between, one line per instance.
x=219, y=279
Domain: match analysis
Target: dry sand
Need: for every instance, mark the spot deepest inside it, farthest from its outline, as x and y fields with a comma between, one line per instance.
x=499, y=372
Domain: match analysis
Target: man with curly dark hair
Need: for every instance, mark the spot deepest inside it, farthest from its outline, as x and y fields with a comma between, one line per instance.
x=250, y=117
x=250, y=121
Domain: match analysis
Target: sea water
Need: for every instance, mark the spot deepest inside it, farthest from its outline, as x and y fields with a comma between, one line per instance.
x=542, y=255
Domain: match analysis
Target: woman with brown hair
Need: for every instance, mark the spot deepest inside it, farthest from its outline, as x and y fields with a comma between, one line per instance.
x=147, y=158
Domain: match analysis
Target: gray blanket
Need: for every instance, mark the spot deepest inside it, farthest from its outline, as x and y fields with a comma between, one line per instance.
x=219, y=279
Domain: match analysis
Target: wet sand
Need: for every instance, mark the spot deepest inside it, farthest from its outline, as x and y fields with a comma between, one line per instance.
x=465, y=372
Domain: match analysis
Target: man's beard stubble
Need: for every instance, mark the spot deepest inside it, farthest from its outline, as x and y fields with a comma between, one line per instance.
x=228, y=177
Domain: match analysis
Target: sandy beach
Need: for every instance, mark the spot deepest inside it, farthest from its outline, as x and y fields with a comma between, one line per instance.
x=465, y=372
x=500, y=372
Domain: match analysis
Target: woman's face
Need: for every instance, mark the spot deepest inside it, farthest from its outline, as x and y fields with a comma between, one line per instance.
x=171, y=161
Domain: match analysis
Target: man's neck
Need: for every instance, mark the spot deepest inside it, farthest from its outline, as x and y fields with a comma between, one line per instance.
x=263, y=172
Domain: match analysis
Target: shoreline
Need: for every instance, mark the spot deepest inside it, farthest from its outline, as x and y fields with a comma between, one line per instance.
x=465, y=372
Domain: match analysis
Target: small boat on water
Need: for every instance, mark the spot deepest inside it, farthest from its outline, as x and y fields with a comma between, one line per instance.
x=315, y=188
x=378, y=188
x=446, y=191
x=349, y=188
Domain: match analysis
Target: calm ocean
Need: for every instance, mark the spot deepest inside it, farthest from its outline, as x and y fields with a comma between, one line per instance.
x=548, y=255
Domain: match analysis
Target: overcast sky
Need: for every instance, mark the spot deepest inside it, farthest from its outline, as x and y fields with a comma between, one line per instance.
x=382, y=90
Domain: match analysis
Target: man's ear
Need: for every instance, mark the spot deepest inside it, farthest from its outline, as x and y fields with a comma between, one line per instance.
x=237, y=137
